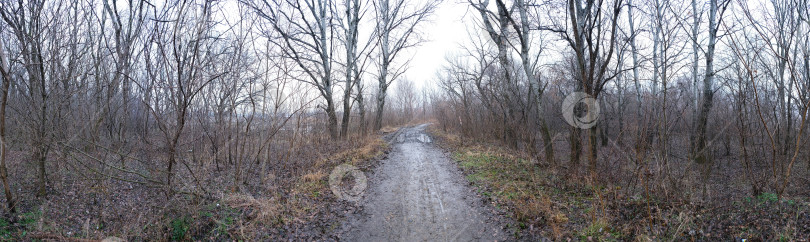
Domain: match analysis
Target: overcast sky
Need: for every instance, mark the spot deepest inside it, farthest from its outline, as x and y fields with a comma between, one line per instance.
x=444, y=34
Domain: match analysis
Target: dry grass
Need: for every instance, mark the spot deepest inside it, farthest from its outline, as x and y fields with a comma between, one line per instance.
x=554, y=202
x=368, y=148
x=283, y=195
x=264, y=210
x=314, y=176
x=305, y=200
x=506, y=178
x=528, y=193
x=388, y=129
x=448, y=138
x=312, y=184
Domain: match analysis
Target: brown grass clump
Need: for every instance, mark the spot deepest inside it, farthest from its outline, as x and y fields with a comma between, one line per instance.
x=314, y=176
x=265, y=210
x=368, y=149
x=388, y=129
x=312, y=184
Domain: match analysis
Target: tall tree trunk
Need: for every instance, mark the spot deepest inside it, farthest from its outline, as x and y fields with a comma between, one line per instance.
x=41, y=148
x=702, y=155
x=347, y=109
x=361, y=106
x=636, y=81
x=3, y=149
x=332, y=117
x=170, y=168
x=384, y=20
x=352, y=16
x=361, y=102
x=695, y=88
x=576, y=147
x=382, y=88
x=499, y=37
x=548, y=146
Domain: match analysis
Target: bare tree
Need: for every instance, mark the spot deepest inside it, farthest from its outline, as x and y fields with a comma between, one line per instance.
x=508, y=88
x=359, y=70
x=350, y=28
x=701, y=147
x=406, y=98
x=396, y=31
x=5, y=73
x=26, y=21
x=775, y=54
x=695, y=89
x=126, y=30
x=307, y=36
x=178, y=60
x=529, y=67
x=667, y=50
x=587, y=37
x=356, y=57
x=454, y=79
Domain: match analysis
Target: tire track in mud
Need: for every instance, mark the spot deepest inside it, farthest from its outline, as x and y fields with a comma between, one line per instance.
x=418, y=194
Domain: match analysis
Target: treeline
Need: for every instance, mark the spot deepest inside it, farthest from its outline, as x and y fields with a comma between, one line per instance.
x=682, y=86
x=159, y=94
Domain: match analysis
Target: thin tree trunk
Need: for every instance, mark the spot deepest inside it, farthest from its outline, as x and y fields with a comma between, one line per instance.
x=636, y=81
x=361, y=106
x=592, y=151
x=3, y=149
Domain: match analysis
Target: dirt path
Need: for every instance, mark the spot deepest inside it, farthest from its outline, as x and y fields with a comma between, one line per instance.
x=417, y=194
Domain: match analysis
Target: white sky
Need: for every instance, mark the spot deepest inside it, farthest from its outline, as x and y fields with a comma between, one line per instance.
x=443, y=34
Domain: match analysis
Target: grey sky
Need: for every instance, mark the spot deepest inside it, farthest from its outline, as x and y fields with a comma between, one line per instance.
x=444, y=34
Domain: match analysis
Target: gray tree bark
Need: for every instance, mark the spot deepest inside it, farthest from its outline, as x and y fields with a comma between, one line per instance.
x=6, y=75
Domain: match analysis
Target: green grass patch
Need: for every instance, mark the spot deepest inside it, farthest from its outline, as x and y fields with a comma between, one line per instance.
x=223, y=217
x=29, y=219
x=767, y=197
x=5, y=229
x=180, y=227
x=508, y=180
x=534, y=196
x=599, y=231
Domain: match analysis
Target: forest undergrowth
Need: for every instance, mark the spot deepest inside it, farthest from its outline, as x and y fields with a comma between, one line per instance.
x=284, y=197
x=561, y=203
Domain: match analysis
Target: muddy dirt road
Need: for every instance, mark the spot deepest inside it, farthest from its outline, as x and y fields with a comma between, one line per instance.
x=417, y=194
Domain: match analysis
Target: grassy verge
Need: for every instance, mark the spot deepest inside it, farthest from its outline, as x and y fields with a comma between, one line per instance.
x=542, y=202
x=298, y=209
x=547, y=203
x=510, y=181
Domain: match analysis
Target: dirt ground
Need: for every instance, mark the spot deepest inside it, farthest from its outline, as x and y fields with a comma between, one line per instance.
x=417, y=194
